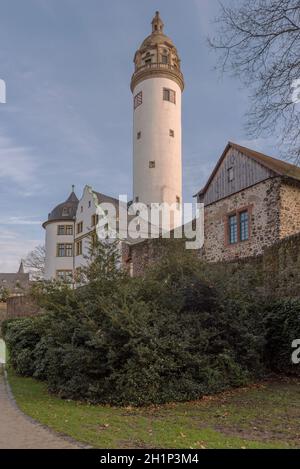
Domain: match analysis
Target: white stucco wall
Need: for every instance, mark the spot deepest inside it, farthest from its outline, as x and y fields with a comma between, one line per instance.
x=54, y=263
x=154, y=118
x=86, y=208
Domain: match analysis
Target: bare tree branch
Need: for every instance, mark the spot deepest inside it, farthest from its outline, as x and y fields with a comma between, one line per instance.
x=259, y=41
x=35, y=262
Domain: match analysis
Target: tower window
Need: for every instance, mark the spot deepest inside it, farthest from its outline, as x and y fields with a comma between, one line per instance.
x=164, y=59
x=69, y=230
x=169, y=95
x=139, y=135
x=64, y=250
x=148, y=61
x=138, y=99
x=65, y=230
x=151, y=164
x=137, y=199
x=65, y=276
x=172, y=133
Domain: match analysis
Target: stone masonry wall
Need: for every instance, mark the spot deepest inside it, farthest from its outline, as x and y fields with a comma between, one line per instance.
x=289, y=209
x=262, y=200
x=277, y=270
x=21, y=306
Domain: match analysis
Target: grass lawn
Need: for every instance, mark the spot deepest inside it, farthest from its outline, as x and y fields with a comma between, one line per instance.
x=262, y=416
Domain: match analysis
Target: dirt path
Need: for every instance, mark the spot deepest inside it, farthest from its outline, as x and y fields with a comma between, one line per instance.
x=19, y=432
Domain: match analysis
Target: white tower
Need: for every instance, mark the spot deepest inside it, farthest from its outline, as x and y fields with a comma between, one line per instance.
x=157, y=85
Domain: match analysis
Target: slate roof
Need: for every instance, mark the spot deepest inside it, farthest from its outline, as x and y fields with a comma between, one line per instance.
x=64, y=211
x=14, y=282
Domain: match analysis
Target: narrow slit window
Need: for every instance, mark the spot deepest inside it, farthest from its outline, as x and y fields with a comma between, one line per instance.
x=151, y=164
x=138, y=99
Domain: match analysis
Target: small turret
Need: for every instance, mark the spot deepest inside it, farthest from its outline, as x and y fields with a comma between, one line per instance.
x=157, y=24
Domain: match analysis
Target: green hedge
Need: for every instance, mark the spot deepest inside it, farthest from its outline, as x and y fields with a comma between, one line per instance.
x=175, y=335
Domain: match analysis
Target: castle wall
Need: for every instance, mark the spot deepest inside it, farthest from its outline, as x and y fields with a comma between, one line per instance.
x=263, y=203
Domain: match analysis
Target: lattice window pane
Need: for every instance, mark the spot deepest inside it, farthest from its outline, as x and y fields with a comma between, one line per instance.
x=244, y=226
x=233, y=231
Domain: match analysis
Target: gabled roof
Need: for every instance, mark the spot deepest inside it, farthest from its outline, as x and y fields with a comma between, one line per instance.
x=278, y=167
x=102, y=198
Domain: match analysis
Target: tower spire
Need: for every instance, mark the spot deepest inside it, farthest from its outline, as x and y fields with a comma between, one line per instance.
x=21, y=268
x=157, y=24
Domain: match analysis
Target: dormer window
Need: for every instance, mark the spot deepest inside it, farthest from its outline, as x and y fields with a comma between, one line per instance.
x=65, y=212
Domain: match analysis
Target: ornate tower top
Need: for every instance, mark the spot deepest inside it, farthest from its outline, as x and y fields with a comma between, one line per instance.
x=157, y=24
x=157, y=57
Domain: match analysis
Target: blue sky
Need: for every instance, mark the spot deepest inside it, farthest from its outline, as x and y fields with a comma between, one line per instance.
x=67, y=65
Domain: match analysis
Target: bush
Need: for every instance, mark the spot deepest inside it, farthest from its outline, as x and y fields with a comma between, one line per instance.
x=174, y=335
x=283, y=327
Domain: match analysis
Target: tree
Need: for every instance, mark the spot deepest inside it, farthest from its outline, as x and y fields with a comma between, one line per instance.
x=259, y=41
x=35, y=262
x=4, y=294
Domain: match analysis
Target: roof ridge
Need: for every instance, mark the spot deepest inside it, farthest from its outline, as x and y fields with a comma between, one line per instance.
x=277, y=166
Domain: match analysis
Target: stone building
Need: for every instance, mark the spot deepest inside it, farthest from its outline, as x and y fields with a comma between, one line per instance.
x=251, y=201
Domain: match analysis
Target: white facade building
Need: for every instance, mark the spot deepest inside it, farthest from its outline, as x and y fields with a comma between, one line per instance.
x=87, y=217
x=157, y=85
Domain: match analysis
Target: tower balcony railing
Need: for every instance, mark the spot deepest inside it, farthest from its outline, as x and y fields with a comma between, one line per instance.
x=157, y=66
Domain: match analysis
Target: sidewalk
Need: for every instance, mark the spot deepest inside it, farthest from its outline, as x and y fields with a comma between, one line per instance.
x=19, y=432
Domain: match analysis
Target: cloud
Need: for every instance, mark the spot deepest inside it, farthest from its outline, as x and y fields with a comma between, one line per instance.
x=17, y=163
x=13, y=248
x=20, y=221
